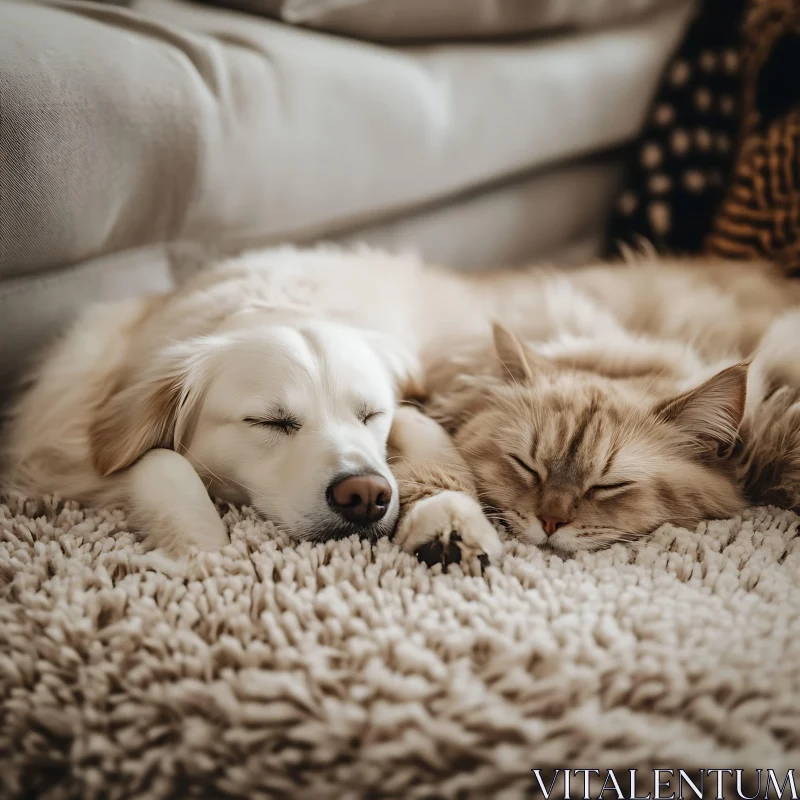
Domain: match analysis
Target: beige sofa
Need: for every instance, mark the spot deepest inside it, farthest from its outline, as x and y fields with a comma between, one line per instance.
x=477, y=132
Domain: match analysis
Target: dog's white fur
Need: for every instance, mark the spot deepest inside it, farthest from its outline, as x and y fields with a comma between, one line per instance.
x=145, y=402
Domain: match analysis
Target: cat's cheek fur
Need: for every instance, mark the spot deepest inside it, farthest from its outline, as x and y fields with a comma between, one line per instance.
x=566, y=540
x=569, y=540
x=533, y=534
x=498, y=482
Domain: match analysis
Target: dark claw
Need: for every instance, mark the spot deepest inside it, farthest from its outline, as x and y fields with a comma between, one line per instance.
x=483, y=560
x=436, y=553
x=431, y=553
x=453, y=553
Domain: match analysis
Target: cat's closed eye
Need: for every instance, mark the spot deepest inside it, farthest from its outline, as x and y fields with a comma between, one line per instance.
x=602, y=491
x=526, y=468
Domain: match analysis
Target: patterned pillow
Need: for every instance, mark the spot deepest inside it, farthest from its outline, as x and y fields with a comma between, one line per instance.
x=685, y=155
x=760, y=215
x=736, y=79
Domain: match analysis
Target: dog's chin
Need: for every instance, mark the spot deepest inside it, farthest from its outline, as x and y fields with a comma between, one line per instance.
x=327, y=533
x=327, y=526
x=334, y=530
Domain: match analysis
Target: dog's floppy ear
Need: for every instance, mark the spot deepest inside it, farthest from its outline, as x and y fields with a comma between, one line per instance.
x=403, y=365
x=148, y=406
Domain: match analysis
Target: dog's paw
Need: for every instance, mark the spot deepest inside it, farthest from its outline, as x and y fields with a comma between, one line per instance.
x=448, y=528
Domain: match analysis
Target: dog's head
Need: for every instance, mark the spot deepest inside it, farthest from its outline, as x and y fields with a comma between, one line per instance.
x=288, y=412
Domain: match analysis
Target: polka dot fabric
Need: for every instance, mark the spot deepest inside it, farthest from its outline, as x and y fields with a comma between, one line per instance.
x=685, y=156
x=760, y=214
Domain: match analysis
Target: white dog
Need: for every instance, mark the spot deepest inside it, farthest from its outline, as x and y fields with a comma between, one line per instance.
x=274, y=380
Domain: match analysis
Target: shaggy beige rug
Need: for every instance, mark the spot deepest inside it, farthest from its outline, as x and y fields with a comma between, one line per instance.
x=344, y=670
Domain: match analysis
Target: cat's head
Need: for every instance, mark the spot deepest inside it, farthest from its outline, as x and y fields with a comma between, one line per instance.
x=578, y=461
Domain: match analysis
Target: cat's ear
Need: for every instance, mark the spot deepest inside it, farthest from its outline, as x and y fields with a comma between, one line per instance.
x=519, y=362
x=711, y=413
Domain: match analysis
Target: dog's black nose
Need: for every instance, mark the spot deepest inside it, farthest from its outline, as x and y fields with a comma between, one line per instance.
x=360, y=499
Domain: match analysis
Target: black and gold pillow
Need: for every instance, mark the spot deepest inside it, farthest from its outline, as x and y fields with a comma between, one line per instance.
x=760, y=214
x=684, y=158
x=718, y=166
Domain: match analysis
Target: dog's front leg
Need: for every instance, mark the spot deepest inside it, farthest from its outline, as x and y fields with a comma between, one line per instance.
x=169, y=505
x=441, y=520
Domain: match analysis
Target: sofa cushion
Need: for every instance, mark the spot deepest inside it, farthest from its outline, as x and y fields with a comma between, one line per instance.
x=34, y=309
x=171, y=120
x=419, y=20
x=534, y=218
x=559, y=214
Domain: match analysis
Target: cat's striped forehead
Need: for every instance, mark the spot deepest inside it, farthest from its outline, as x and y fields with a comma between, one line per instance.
x=574, y=433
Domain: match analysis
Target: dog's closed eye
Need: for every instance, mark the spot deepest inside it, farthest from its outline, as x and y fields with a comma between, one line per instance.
x=367, y=413
x=287, y=425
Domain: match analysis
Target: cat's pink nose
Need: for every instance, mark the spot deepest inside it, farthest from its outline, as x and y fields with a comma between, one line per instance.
x=552, y=524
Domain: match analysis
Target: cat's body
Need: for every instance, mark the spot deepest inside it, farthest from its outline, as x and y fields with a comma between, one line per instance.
x=590, y=428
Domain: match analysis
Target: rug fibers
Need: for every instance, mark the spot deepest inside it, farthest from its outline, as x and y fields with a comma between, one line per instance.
x=347, y=670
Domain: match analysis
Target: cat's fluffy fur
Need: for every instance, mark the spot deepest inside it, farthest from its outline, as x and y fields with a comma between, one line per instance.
x=578, y=460
x=615, y=404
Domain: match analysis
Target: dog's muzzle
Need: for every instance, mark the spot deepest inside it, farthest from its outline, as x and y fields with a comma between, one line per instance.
x=362, y=498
